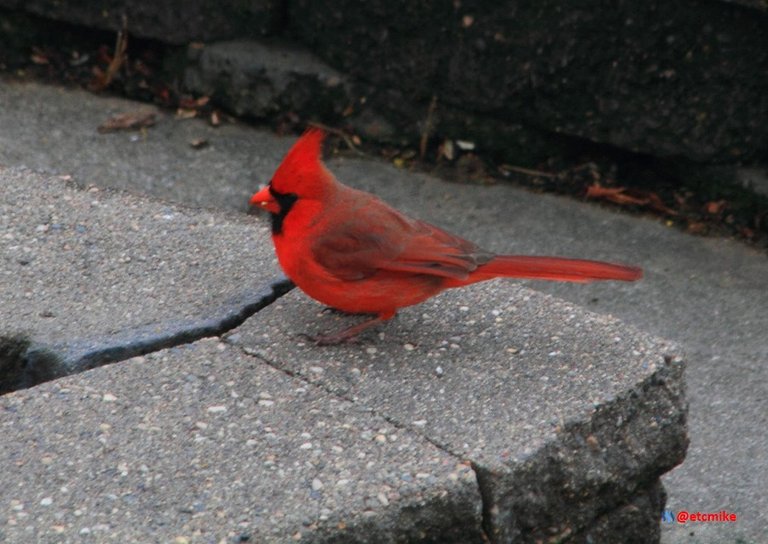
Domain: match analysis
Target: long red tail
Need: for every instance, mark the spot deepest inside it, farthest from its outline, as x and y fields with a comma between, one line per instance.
x=553, y=268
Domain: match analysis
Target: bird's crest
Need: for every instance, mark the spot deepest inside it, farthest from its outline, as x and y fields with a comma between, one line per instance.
x=302, y=171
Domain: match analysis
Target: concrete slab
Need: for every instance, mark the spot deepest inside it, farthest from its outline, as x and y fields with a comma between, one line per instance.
x=91, y=268
x=204, y=444
x=708, y=294
x=158, y=161
x=90, y=276
x=564, y=414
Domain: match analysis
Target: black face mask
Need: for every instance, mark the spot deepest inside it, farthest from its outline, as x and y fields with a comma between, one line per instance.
x=286, y=202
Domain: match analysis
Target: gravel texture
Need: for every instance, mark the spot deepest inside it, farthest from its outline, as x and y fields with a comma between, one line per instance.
x=708, y=295
x=564, y=414
x=88, y=272
x=203, y=443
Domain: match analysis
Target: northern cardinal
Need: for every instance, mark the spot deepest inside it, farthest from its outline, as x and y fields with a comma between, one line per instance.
x=351, y=251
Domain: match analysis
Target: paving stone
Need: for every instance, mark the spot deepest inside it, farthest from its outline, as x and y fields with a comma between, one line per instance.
x=564, y=414
x=708, y=294
x=203, y=443
x=89, y=275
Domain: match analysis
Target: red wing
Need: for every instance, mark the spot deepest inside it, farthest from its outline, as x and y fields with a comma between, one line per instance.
x=351, y=254
x=390, y=241
x=433, y=251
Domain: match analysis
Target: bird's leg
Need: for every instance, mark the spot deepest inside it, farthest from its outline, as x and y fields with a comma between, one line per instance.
x=334, y=311
x=348, y=335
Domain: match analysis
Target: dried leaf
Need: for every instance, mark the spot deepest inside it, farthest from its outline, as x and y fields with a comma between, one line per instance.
x=681, y=200
x=446, y=150
x=614, y=194
x=657, y=204
x=696, y=227
x=183, y=113
x=198, y=143
x=39, y=57
x=715, y=207
x=624, y=196
x=190, y=103
x=128, y=121
x=747, y=233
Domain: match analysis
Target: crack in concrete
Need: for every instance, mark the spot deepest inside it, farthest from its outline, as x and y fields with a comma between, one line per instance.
x=25, y=363
x=489, y=522
x=486, y=501
x=485, y=521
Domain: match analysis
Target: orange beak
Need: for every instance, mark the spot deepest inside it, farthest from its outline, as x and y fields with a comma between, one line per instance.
x=264, y=199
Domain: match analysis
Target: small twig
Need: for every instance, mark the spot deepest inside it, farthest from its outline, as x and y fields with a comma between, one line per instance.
x=427, y=130
x=121, y=49
x=338, y=132
x=118, y=59
x=528, y=171
x=583, y=166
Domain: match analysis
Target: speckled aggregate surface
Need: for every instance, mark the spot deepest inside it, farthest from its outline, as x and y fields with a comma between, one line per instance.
x=471, y=366
x=82, y=265
x=527, y=387
x=489, y=378
x=526, y=365
x=203, y=443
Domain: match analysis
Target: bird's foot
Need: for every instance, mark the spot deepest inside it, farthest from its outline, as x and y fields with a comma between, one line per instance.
x=334, y=311
x=347, y=336
x=329, y=339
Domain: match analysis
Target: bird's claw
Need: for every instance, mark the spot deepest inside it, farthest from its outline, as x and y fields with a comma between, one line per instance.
x=329, y=339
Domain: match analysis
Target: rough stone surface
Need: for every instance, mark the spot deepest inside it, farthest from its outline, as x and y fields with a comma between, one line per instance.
x=276, y=81
x=668, y=79
x=159, y=161
x=84, y=264
x=569, y=416
x=87, y=269
x=755, y=4
x=708, y=294
x=264, y=81
x=637, y=521
x=215, y=446
x=176, y=22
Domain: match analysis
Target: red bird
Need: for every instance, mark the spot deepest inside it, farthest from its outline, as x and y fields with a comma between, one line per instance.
x=351, y=251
